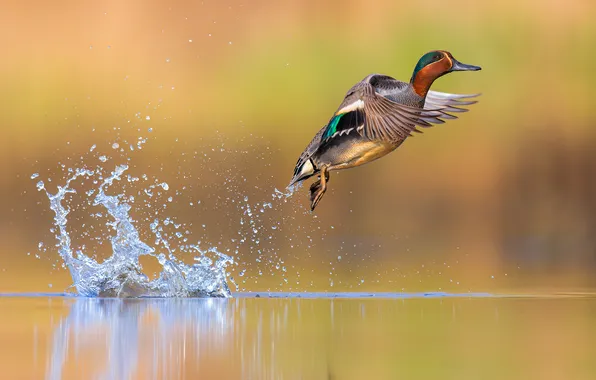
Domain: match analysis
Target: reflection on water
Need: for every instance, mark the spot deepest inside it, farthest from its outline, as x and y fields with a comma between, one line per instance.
x=298, y=338
x=172, y=329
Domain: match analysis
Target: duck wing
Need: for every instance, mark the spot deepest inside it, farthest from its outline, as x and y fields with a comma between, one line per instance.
x=350, y=115
x=449, y=102
x=371, y=111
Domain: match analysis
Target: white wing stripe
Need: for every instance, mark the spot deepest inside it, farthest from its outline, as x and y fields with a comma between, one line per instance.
x=358, y=104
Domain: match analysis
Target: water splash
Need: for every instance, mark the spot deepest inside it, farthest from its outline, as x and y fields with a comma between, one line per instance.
x=121, y=275
x=260, y=234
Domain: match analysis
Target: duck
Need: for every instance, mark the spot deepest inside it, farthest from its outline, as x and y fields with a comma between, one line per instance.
x=376, y=116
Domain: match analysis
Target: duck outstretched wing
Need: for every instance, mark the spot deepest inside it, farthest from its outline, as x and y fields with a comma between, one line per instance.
x=369, y=113
x=446, y=102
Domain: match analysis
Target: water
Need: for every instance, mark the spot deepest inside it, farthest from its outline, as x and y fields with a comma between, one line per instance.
x=324, y=337
x=121, y=274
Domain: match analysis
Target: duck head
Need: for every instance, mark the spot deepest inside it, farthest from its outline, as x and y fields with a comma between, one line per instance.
x=431, y=66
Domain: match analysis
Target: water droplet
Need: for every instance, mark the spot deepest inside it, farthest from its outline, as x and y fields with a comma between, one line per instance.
x=103, y=158
x=40, y=186
x=115, y=146
x=92, y=148
x=147, y=117
x=34, y=175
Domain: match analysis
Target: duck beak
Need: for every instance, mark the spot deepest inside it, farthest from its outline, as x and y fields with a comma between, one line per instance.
x=458, y=66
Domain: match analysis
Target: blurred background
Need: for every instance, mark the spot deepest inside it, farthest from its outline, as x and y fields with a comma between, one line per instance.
x=228, y=94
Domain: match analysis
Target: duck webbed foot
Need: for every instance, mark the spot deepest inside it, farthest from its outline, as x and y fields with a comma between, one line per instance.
x=318, y=188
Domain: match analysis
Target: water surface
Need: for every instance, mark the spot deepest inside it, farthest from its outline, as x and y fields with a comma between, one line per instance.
x=314, y=336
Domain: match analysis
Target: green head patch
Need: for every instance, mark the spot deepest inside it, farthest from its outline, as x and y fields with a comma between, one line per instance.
x=426, y=60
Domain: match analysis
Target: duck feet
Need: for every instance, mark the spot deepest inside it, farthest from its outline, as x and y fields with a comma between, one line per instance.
x=318, y=188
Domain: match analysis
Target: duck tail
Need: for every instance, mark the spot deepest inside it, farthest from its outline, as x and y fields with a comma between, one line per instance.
x=303, y=170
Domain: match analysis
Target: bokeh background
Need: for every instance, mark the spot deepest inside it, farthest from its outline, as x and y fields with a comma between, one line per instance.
x=500, y=200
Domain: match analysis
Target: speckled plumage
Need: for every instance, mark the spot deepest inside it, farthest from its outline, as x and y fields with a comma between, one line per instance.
x=376, y=116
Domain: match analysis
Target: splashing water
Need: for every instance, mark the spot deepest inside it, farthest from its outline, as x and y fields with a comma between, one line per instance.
x=121, y=274
x=251, y=232
x=256, y=242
